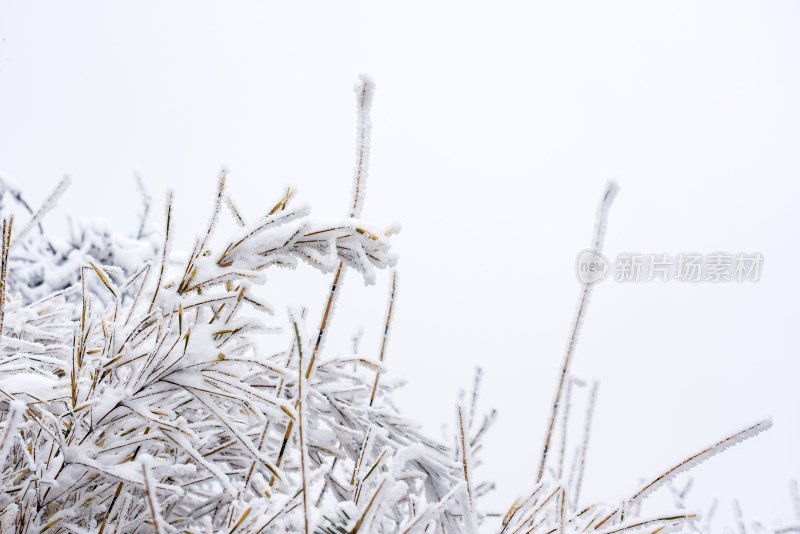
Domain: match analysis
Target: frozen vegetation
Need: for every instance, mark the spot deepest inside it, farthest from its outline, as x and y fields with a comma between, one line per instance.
x=136, y=396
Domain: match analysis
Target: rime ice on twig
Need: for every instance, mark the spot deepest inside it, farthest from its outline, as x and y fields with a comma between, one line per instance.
x=48, y=204
x=701, y=456
x=146, y=201
x=364, y=90
x=585, y=443
x=466, y=462
x=385, y=335
x=597, y=244
x=794, y=493
x=300, y=430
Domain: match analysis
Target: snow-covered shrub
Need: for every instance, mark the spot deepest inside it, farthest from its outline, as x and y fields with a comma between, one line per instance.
x=136, y=396
x=41, y=263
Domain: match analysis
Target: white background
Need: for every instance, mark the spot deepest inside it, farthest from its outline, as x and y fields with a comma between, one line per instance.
x=496, y=125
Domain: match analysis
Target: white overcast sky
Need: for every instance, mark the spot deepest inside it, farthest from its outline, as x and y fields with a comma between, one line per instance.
x=496, y=125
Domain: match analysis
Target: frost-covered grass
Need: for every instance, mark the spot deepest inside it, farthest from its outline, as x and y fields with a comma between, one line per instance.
x=136, y=395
